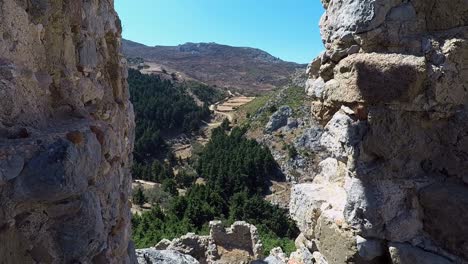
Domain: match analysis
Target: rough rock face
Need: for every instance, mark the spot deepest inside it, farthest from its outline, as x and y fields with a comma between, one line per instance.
x=392, y=89
x=279, y=119
x=66, y=133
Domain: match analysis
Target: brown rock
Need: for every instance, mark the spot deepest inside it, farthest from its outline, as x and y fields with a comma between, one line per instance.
x=76, y=137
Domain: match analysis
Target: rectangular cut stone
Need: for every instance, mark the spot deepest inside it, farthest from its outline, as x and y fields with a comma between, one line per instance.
x=377, y=78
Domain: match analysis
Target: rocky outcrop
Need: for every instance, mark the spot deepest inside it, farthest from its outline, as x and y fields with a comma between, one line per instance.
x=392, y=92
x=66, y=134
x=237, y=244
x=279, y=119
x=154, y=256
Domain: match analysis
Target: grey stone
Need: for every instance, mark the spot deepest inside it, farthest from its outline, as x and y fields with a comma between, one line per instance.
x=163, y=244
x=153, y=256
x=353, y=49
x=445, y=206
x=398, y=148
x=65, y=171
x=132, y=253
x=341, y=135
x=278, y=119
x=91, y=238
x=88, y=54
x=10, y=168
x=337, y=245
x=315, y=87
x=402, y=13
x=401, y=253
x=314, y=66
x=301, y=255
x=240, y=236
x=276, y=257
x=369, y=249
x=65, y=177
x=292, y=123
x=351, y=16
x=271, y=260
x=319, y=258
x=326, y=71
x=337, y=55
x=382, y=209
x=189, y=244
x=310, y=139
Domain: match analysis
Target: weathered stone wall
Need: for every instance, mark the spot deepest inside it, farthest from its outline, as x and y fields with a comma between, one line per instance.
x=240, y=241
x=66, y=133
x=392, y=89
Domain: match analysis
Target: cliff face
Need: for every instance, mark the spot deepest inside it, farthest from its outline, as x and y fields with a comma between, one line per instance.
x=392, y=91
x=66, y=133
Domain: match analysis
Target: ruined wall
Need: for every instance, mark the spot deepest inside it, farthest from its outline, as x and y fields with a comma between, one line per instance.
x=391, y=90
x=239, y=243
x=66, y=133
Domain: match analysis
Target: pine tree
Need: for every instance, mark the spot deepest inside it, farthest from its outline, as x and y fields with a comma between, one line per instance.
x=139, y=197
x=225, y=125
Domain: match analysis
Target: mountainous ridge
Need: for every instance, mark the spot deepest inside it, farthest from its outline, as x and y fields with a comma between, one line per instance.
x=249, y=70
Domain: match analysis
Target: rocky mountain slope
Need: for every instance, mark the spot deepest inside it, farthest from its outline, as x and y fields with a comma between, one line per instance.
x=249, y=70
x=66, y=134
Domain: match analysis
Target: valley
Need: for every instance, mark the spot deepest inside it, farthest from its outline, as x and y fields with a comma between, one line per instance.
x=175, y=175
x=201, y=153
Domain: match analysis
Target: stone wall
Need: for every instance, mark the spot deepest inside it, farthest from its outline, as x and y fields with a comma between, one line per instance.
x=66, y=133
x=392, y=89
x=240, y=243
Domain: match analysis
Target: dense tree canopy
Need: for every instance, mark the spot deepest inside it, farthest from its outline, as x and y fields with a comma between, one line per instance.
x=205, y=93
x=160, y=105
x=231, y=163
x=236, y=171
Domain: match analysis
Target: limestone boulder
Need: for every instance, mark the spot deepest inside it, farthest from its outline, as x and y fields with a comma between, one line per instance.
x=309, y=201
x=278, y=119
x=191, y=244
x=301, y=256
x=341, y=135
x=153, y=256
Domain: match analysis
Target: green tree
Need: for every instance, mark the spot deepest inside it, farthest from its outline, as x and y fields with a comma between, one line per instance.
x=170, y=186
x=138, y=197
x=226, y=125
x=292, y=152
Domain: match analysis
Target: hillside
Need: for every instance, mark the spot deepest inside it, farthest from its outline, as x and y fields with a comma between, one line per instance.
x=249, y=70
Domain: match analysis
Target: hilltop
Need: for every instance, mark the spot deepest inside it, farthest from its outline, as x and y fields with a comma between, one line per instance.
x=249, y=70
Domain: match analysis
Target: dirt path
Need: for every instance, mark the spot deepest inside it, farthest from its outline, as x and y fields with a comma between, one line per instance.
x=280, y=193
x=226, y=115
x=145, y=184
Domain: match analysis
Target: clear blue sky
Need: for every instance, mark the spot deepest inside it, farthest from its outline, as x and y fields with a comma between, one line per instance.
x=285, y=28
